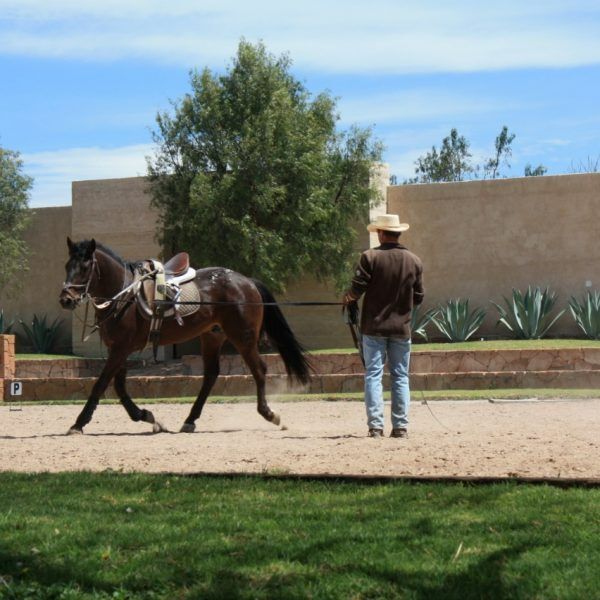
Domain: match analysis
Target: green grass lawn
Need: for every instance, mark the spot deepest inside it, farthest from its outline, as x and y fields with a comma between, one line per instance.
x=142, y=536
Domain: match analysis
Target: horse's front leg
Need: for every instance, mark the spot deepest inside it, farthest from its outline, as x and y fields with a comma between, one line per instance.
x=114, y=363
x=211, y=349
x=133, y=410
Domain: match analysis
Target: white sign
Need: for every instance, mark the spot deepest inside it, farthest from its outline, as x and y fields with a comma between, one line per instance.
x=16, y=388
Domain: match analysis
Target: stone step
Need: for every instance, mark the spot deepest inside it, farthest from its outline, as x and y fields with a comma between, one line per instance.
x=337, y=363
x=439, y=361
x=78, y=388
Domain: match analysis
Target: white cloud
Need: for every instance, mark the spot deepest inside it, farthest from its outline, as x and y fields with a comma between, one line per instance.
x=381, y=36
x=54, y=171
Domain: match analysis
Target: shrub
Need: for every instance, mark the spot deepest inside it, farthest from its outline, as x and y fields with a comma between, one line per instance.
x=41, y=336
x=587, y=314
x=5, y=326
x=456, y=322
x=528, y=315
x=419, y=321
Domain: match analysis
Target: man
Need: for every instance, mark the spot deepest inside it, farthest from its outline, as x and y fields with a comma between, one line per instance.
x=390, y=277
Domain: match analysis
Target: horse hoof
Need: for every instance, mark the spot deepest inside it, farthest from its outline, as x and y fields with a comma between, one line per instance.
x=276, y=420
x=284, y=428
x=188, y=428
x=158, y=427
x=75, y=431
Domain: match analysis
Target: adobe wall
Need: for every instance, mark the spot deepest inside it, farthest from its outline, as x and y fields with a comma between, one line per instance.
x=41, y=283
x=117, y=213
x=479, y=239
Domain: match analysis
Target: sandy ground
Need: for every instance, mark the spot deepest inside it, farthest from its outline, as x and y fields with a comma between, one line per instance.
x=469, y=438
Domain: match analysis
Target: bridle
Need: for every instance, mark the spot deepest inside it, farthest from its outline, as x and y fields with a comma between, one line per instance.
x=86, y=297
x=68, y=286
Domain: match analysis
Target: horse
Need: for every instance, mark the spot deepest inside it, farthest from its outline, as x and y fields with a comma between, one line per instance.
x=234, y=307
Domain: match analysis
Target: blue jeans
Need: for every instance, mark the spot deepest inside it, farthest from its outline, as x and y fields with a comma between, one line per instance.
x=397, y=350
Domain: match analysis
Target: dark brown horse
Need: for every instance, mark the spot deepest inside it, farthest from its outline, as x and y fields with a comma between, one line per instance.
x=238, y=313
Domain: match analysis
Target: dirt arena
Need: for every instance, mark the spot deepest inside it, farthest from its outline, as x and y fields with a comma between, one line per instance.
x=555, y=439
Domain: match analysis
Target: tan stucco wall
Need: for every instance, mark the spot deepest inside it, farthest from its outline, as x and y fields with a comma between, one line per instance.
x=320, y=326
x=117, y=213
x=41, y=284
x=479, y=239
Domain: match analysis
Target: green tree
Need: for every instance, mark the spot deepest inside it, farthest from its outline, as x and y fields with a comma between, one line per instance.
x=14, y=217
x=251, y=173
x=451, y=163
x=503, y=152
x=537, y=172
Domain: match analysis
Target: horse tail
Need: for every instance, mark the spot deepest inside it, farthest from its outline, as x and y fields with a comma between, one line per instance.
x=282, y=337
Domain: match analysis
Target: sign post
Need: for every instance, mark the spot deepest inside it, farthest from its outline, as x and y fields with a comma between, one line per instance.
x=16, y=389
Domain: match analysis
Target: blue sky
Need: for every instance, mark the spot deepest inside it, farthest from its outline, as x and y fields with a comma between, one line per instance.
x=82, y=80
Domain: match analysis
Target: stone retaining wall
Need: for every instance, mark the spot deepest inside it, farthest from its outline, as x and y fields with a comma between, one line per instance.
x=78, y=388
x=51, y=368
x=449, y=361
x=7, y=364
x=334, y=373
x=580, y=359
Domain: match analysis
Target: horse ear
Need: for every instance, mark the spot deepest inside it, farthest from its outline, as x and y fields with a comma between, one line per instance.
x=70, y=245
x=90, y=249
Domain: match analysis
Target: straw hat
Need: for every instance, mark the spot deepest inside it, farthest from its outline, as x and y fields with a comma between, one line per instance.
x=388, y=223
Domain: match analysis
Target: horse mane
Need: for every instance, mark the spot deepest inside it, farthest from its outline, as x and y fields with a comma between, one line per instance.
x=104, y=248
x=110, y=252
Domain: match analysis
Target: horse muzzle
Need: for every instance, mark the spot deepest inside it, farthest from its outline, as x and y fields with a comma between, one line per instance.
x=69, y=300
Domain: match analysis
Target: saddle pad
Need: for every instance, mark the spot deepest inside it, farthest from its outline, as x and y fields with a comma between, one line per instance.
x=189, y=293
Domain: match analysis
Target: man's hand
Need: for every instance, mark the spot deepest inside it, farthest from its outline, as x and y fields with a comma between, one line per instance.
x=348, y=298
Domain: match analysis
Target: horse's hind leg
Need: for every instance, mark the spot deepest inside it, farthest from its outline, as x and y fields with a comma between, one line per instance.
x=258, y=368
x=211, y=349
x=133, y=410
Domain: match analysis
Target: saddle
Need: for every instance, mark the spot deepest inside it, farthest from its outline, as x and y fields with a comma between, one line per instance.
x=158, y=290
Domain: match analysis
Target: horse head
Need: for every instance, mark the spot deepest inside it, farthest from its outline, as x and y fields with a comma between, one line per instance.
x=80, y=269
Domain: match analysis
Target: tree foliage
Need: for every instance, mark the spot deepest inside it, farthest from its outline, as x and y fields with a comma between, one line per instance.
x=503, y=152
x=251, y=173
x=453, y=161
x=534, y=172
x=14, y=217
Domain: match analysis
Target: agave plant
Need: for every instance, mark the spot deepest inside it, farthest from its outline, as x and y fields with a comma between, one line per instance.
x=456, y=322
x=419, y=321
x=5, y=327
x=41, y=336
x=587, y=314
x=528, y=315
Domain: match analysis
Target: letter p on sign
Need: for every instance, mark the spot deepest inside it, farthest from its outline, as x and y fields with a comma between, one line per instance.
x=16, y=388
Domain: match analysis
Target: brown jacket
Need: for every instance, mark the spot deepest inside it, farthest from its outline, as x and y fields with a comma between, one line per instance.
x=391, y=278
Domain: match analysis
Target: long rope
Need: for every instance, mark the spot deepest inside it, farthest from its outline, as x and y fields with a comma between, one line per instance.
x=232, y=303
x=424, y=401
